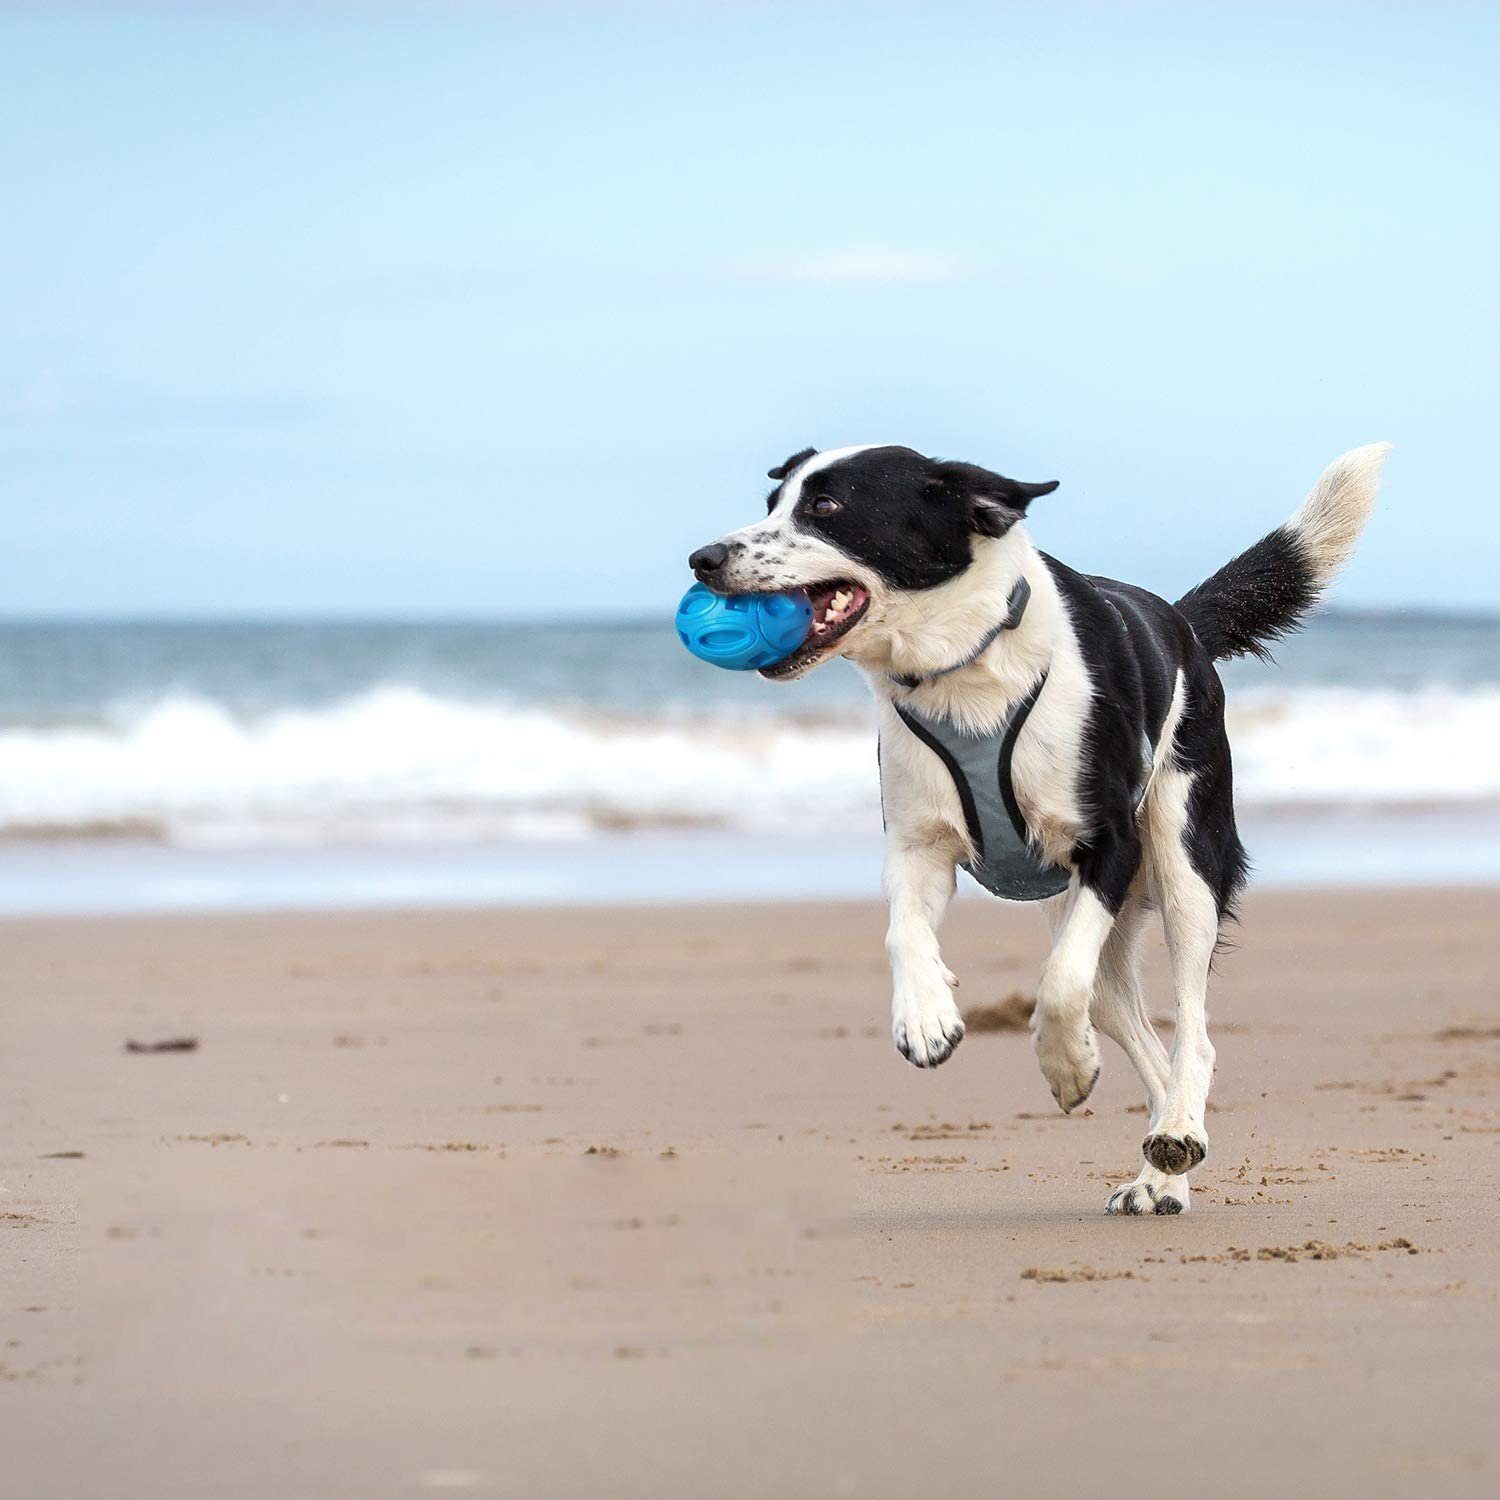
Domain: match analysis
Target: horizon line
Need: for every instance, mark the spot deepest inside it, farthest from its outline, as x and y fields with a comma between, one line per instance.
x=625, y=619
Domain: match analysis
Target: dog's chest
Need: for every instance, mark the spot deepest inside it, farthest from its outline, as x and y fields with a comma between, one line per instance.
x=1001, y=849
x=1030, y=759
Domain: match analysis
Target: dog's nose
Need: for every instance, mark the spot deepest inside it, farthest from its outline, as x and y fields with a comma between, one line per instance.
x=709, y=559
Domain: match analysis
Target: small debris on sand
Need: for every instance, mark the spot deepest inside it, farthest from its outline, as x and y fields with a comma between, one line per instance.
x=1010, y=1014
x=1322, y=1250
x=946, y=1130
x=1308, y=1250
x=1400, y=1089
x=167, y=1044
x=1074, y=1273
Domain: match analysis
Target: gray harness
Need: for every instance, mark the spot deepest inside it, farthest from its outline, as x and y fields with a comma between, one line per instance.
x=1004, y=862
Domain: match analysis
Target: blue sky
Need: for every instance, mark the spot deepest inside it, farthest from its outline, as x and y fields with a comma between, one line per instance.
x=499, y=309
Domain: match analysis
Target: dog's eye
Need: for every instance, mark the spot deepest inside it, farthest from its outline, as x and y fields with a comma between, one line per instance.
x=823, y=506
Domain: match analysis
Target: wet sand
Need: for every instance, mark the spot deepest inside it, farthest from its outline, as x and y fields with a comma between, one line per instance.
x=641, y=1203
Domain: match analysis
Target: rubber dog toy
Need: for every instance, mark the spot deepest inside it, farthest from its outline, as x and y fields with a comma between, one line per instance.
x=743, y=632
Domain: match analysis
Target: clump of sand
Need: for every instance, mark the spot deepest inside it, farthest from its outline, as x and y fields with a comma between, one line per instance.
x=1010, y=1014
x=1308, y=1250
x=1074, y=1273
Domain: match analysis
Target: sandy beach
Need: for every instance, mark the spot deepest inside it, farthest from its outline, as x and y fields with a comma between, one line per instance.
x=641, y=1203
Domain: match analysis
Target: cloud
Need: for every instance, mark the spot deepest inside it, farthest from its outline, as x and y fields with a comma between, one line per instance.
x=862, y=265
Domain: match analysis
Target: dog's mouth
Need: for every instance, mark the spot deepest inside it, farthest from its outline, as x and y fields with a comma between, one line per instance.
x=838, y=606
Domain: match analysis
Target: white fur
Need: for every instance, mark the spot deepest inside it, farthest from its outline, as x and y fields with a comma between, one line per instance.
x=981, y=697
x=776, y=554
x=1064, y=1039
x=1334, y=514
x=1191, y=920
x=925, y=1022
x=791, y=486
x=1119, y=1011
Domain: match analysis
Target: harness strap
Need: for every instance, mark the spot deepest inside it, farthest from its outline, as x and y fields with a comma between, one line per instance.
x=1015, y=607
x=1004, y=861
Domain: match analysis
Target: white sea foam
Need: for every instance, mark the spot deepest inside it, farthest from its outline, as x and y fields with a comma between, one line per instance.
x=1361, y=746
x=401, y=764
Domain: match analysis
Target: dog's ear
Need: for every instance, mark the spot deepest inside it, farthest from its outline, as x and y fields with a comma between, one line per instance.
x=1026, y=493
x=994, y=503
x=786, y=466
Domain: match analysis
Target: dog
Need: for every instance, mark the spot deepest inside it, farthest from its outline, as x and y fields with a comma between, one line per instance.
x=1060, y=736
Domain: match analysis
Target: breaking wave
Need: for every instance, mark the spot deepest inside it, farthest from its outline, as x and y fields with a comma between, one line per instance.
x=401, y=764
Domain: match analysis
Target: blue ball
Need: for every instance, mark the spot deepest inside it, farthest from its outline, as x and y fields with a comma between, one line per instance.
x=743, y=631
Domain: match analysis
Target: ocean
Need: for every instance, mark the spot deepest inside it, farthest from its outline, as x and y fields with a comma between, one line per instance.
x=149, y=766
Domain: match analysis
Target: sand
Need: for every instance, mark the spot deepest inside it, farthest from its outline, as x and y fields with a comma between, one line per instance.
x=642, y=1204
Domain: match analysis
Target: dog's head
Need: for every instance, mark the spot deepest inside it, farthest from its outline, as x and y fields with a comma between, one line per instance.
x=858, y=528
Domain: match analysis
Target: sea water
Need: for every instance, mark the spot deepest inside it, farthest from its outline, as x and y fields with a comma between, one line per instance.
x=197, y=765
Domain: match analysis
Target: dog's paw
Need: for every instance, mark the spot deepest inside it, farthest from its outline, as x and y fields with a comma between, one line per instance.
x=926, y=1030
x=1175, y=1151
x=1152, y=1192
x=1069, y=1058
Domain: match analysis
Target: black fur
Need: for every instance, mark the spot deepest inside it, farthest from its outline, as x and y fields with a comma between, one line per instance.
x=1260, y=596
x=911, y=519
x=786, y=466
x=993, y=502
x=1134, y=644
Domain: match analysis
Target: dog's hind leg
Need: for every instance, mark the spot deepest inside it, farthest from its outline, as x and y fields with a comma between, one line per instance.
x=1060, y=1027
x=1177, y=1139
x=1119, y=1011
x=919, y=880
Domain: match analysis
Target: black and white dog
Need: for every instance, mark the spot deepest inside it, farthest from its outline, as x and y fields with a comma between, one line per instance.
x=1060, y=736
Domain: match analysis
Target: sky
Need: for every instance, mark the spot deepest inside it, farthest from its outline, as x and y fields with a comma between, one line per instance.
x=501, y=309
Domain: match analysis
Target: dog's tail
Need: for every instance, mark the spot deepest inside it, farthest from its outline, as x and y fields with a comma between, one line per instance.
x=1268, y=591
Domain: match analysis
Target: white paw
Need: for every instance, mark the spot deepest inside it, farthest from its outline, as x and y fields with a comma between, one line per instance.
x=927, y=1027
x=1152, y=1192
x=1176, y=1146
x=1069, y=1057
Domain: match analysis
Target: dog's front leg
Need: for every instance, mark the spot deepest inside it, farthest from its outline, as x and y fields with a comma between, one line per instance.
x=919, y=879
